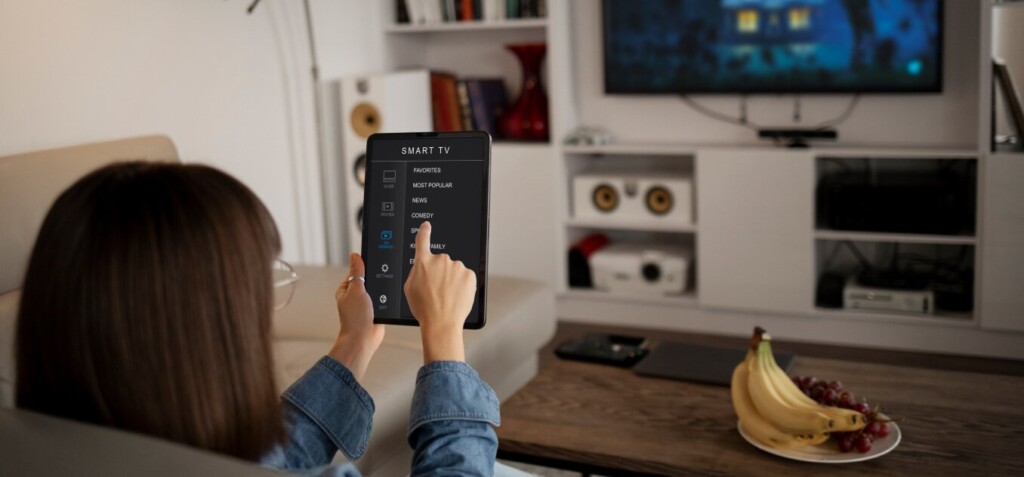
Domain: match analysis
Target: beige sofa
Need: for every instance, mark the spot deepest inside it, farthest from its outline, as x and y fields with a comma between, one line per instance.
x=521, y=318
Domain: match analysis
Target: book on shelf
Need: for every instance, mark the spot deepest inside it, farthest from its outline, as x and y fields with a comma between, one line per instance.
x=487, y=102
x=1011, y=98
x=471, y=104
x=465, y=112
x=445, y=102
x=402, y=12
x=444, y=11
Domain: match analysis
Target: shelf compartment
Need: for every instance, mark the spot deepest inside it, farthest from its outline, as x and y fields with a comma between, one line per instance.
x=633, y=224
x=824, y=234
x=479, y=25
x=946, y=269
x=898, y=198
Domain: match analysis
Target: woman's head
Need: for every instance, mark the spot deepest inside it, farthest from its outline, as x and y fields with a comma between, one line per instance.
x=147, y=304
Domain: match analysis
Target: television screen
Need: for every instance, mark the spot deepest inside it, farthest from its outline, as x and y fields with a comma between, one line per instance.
x=772, y=46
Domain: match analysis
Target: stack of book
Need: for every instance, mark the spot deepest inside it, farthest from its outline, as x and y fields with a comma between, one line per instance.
x=440, y=11
x=469, y=104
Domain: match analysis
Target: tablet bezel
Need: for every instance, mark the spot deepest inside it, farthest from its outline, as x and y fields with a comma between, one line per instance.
x=481, y=293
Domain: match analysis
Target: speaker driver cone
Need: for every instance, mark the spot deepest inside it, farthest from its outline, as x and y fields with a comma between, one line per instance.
x=606, y=198
x=365, y=119
x=659, y=200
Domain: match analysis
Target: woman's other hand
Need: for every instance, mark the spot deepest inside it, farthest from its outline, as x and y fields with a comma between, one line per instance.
x=440, y=294
x=359, y=337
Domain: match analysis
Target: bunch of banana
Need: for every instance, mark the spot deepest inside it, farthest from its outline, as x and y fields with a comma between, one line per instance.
x=774, y=410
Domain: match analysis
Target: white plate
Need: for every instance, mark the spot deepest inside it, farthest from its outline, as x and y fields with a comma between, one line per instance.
x=828, y=453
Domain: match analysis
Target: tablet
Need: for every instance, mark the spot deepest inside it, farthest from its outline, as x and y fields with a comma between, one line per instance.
x=415, y=177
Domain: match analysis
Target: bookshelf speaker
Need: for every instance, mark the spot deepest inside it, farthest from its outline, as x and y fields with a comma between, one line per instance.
x=633, y=196
x=388, y=102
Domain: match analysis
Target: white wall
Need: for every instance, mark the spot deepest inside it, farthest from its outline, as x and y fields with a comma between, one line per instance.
x=349, y=41
x=906, y=120
x=231, y=89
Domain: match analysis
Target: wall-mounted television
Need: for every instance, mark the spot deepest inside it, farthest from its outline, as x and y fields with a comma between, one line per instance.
x=772, y=46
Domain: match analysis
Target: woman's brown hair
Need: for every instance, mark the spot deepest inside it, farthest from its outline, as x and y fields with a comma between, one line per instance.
x=147, y=305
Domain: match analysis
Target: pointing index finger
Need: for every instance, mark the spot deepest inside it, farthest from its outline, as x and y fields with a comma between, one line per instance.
x=423, y=241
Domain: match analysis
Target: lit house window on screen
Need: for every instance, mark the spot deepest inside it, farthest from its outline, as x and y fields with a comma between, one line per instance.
x=799, y=19
x=746, y=21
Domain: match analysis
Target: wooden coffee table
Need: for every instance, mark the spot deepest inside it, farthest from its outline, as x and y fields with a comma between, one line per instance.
x=605, y=420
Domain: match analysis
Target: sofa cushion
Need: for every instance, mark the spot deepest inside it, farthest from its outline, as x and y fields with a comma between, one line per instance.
x=29, y=184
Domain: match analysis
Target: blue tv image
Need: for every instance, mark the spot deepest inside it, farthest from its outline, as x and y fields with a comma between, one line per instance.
x=772, y=46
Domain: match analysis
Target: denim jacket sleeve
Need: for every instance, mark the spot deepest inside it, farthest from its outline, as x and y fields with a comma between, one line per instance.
x=325, y=410
x=450, y=421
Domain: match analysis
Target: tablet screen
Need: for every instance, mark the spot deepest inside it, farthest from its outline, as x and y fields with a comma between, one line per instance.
x=417, y=177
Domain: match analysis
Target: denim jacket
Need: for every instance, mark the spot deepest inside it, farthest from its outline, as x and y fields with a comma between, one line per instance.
x=449, y=425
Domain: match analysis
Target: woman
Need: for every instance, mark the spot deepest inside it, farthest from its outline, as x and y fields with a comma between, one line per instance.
x=147, y=307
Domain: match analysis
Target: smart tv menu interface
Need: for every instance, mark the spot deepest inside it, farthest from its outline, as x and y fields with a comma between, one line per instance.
x=441, y=180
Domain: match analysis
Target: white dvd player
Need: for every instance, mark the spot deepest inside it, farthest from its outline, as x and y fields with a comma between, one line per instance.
x=860, y=297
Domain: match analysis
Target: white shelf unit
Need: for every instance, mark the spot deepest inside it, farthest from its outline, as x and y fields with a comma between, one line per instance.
x=476, y=25
x=688, y=149
x=762, y=199
x=651, y=160
x=477, y=49
x=685, y=300
x=943, y=318
x=772, y=282
x=633, y=149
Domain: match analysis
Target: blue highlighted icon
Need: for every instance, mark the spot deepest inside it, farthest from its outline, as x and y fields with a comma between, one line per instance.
x=385, y=235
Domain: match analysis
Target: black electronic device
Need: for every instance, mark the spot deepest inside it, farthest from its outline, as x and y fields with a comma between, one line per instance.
x=698, y=363
x=829, y=293
x=901, y=202
x=772, y=46
x=892, y=279
x=415, y=177
x=798, y=137
x=615, y=350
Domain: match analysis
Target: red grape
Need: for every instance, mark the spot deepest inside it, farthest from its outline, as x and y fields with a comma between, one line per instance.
x=847, y=399
x=829, y=397
x=808, y=381
x=862, y=443
x=873, y=428
x=836, y=385
x=862, y=408
x=846, y=443
x=816, y=392
x=883, y=429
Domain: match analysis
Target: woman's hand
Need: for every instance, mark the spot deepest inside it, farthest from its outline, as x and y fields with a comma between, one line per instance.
x=359, y=338
x=440, y=294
